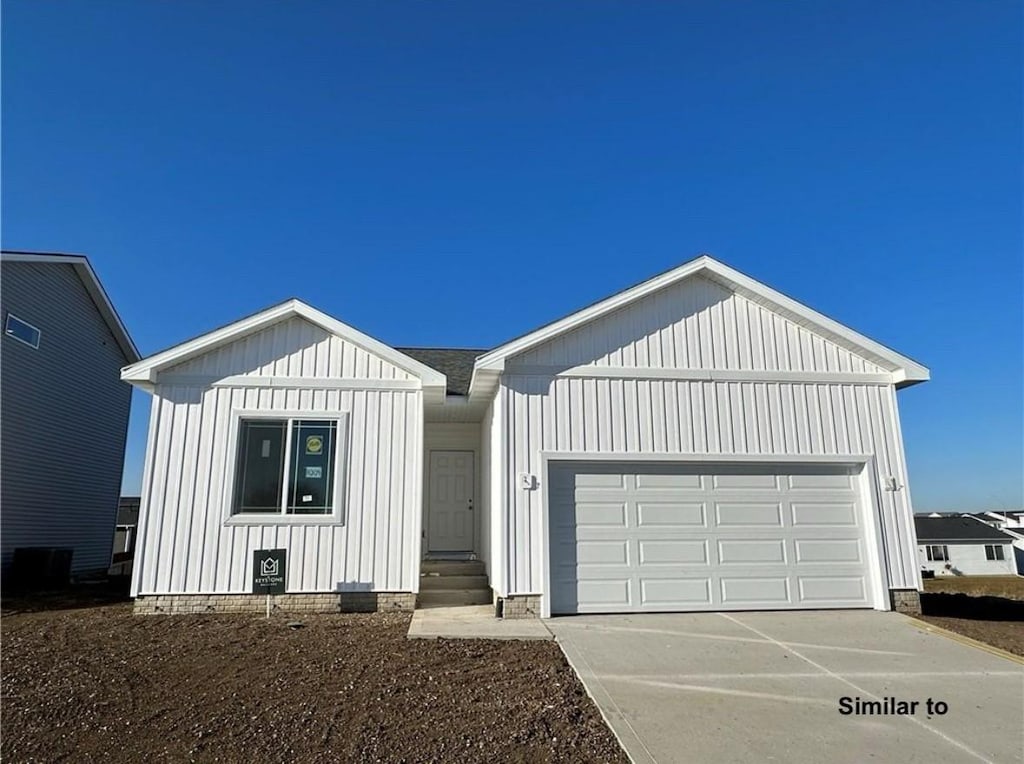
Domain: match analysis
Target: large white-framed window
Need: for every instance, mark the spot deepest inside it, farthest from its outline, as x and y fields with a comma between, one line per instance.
x=937, y=552
x=994, y=552
x=286, y=467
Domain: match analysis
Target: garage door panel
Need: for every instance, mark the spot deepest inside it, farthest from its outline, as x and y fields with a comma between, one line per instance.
x=812, y=514
x=642, y=537
x=597, y=479
x=602, y=552
x=828, y=551
x=760, y=592
x=813, y=482
x=832, y=588
x=672, y=552
x=675, y=592
x=748, y=514
x=611, y=591
x=670, y=514
x=750, y=552
x=668, y=479
x=745, y=482
x=600, y=514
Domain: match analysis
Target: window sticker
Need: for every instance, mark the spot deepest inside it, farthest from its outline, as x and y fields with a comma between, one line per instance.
x=314, y=445
x=265, y=449
x=314, y=472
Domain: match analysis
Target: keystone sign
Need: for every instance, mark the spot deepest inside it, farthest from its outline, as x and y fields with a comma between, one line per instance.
x=268, y=567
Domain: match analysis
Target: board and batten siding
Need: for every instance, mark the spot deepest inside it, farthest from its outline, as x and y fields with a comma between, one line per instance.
x=696, y=371
x=696, y=324
x=648, y=417
x=64, y=418
x=187, y=547
x=291, y=348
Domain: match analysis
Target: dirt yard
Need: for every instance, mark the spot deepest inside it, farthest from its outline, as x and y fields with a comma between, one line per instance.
x=987, y=608
x=99, y=684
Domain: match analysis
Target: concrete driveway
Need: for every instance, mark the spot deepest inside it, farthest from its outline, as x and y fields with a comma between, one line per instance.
x=753, y=687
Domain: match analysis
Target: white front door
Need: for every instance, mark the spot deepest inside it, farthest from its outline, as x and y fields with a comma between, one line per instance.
x=450, y=512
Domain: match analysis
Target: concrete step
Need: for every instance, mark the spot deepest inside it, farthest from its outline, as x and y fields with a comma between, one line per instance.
x=453, y=582
x=452, y=568
x=452, y=597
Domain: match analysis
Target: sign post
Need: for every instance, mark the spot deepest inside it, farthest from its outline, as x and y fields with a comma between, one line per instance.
x=268, y=572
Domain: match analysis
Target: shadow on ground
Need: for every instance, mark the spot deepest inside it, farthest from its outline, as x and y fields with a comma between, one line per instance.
x=80, y=595
x=944, y=605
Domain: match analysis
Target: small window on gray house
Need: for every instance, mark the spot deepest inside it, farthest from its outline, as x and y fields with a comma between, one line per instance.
x=994, y=552
x=285, y=466
x=22, y=331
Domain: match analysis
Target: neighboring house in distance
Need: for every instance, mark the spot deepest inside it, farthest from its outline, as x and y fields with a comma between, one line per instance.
x=963, y=546
x=696, y=442
x=1011, y=521
x=125, y=535
x=64, y=410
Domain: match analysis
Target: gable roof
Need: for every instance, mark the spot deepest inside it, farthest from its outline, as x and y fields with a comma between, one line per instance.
x=905, y=370
x=92, y=285
x=144, y=373
x=957, y=529
x=455, y=363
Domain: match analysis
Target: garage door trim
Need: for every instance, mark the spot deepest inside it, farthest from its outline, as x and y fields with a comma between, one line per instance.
x=866, y=480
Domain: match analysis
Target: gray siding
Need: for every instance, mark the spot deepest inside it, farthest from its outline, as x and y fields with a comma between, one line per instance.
x=63, y=415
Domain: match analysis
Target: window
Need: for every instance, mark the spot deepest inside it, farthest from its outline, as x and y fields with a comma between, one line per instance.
x=285, y=466
x=994, y=552
x=937, y=552
x=22, y=331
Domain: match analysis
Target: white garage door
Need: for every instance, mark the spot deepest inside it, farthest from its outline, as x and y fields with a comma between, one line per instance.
x=649, y=537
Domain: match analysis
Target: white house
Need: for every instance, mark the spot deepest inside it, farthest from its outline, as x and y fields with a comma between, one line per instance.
x=696, y=442
x=963, y=546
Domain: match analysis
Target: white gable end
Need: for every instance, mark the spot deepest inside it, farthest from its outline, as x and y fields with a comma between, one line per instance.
x=294, y=348
x=695, y=324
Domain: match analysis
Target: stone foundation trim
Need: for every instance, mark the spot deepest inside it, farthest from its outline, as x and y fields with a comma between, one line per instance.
x=335, y=602
x=906, y=601
x=518, y=606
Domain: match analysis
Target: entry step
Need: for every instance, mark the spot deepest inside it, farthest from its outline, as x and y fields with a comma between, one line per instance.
x=452, y=568
x=453, y=597
x=429, y=582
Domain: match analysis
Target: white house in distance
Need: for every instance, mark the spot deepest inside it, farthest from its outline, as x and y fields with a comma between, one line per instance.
x=963, y=546
x=696, y=442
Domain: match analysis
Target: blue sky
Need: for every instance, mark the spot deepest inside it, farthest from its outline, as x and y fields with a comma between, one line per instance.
x=456, y=173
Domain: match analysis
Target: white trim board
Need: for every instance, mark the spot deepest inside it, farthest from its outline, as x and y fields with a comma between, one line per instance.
x=319, y=383
x=702, y=375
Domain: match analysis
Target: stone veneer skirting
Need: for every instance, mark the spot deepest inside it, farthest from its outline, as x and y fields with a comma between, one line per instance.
x=520, y=606
x=335, y=602
x=906, y=601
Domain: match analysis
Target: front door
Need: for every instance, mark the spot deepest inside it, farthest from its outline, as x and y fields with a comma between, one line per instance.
x=450, y=511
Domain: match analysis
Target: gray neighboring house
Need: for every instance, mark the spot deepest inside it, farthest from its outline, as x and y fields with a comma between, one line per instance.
x=63, y=408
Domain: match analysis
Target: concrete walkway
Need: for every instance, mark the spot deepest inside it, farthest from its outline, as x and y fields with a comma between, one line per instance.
x=472, y=622
x=763, y=687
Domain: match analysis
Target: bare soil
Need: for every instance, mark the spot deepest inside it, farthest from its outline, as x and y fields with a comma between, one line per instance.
x=989, y=609
x=100, y=684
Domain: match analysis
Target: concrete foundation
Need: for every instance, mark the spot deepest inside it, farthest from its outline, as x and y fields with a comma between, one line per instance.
x=521, y=606
x=906, y=601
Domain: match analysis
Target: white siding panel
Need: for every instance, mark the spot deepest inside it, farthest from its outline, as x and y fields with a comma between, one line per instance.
x=291, y=348
x=186, y=546
x=696, y=324
x=639, y=417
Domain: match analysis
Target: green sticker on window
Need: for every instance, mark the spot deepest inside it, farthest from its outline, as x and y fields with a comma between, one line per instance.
x=314, y=444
